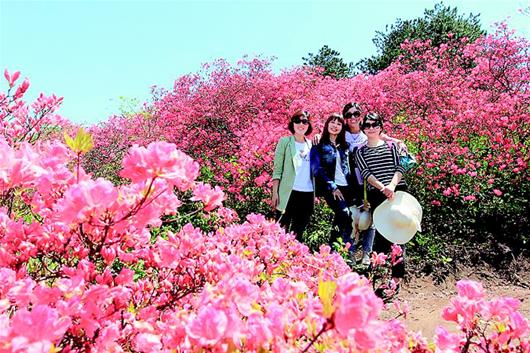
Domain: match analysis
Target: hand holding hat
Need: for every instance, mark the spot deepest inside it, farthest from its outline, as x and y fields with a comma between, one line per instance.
x=398, y=219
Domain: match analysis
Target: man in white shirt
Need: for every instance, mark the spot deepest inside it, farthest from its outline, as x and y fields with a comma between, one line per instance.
x=353, y=117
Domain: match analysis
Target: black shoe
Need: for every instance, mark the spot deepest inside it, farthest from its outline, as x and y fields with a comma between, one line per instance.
x=380, y=292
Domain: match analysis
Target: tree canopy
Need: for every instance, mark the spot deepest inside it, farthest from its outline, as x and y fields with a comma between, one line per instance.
x=435, y=25
x=330, y=60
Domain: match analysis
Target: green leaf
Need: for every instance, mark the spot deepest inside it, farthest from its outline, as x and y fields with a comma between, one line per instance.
x=82, y=143
x=326, y=293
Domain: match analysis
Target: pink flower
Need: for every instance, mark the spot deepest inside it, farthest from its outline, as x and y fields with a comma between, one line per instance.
x=378, y=259
x=356, y=304
x=519, y=325
x=209, y=326
x=450, y=314
x=500, y=307
x=366, y=338
x=168, y=254
x=467, y=305
x=40, y=324
x=148, y=342
x=18, y=166
x=497, y=192
x=446, y=342
x=125, y=277
x=22, y=88
x=227, y=215
x=7, y=279
x=210, y=197
x=245, y=293
x=160, y=160
x=470, y=198
x=470, y=289
x=262, y=179
x=108, y=254
x=88, y=198
x=11, y=79
x=396, y=253
x=21, y=293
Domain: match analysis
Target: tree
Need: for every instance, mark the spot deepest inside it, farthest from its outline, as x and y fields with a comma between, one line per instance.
x=435, y=25
x=331, y=62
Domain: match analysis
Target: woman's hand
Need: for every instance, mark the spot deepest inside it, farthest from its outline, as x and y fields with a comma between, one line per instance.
x=316, y=139
x=388, y=192
x=275, y=200
x=337, y=195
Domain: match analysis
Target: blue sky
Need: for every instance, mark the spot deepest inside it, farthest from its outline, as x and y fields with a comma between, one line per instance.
x=93, y=52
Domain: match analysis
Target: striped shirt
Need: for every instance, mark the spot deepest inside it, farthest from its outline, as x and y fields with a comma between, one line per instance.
x=381, y=161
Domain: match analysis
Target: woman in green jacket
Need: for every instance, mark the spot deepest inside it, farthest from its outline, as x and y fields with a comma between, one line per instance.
x=292, y=185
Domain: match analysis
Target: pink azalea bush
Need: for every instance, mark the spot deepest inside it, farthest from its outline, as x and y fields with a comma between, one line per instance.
x=20, y=122
x=90, y=265
x=485, y=325
x=462, y=108
x=456, y=112
x=80, y=271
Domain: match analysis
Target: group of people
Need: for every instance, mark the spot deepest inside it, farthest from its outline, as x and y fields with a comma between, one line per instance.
x=352, y=158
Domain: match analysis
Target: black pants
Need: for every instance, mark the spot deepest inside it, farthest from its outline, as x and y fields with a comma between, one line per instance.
x=297, y=213
x=342, y=223
x=381, y=244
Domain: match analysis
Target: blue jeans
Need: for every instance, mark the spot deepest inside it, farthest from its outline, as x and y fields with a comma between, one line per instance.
x=366, y=239
x=342, y=226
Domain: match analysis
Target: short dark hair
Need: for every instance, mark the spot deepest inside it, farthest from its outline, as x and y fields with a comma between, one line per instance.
x=341, y=138
x=372, y=117
x=300, y=114
x=350, y=105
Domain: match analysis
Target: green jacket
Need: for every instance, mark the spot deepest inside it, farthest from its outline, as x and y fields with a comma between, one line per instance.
x=285, y=169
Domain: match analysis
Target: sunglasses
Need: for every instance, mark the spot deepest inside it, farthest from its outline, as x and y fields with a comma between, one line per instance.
x=297, y=120
x=349, y=115
x=371, y=125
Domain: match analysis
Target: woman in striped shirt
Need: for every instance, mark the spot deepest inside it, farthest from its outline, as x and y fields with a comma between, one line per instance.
x=378, y=162
x=357, y=139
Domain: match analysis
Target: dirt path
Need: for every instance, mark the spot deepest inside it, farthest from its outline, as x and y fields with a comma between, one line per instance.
x=427, y=300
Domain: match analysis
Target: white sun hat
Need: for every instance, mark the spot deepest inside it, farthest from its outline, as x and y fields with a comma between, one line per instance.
x=361, y=220
x=398, y=219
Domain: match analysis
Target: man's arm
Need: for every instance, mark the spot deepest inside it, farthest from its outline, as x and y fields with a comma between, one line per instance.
x=398, y=142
